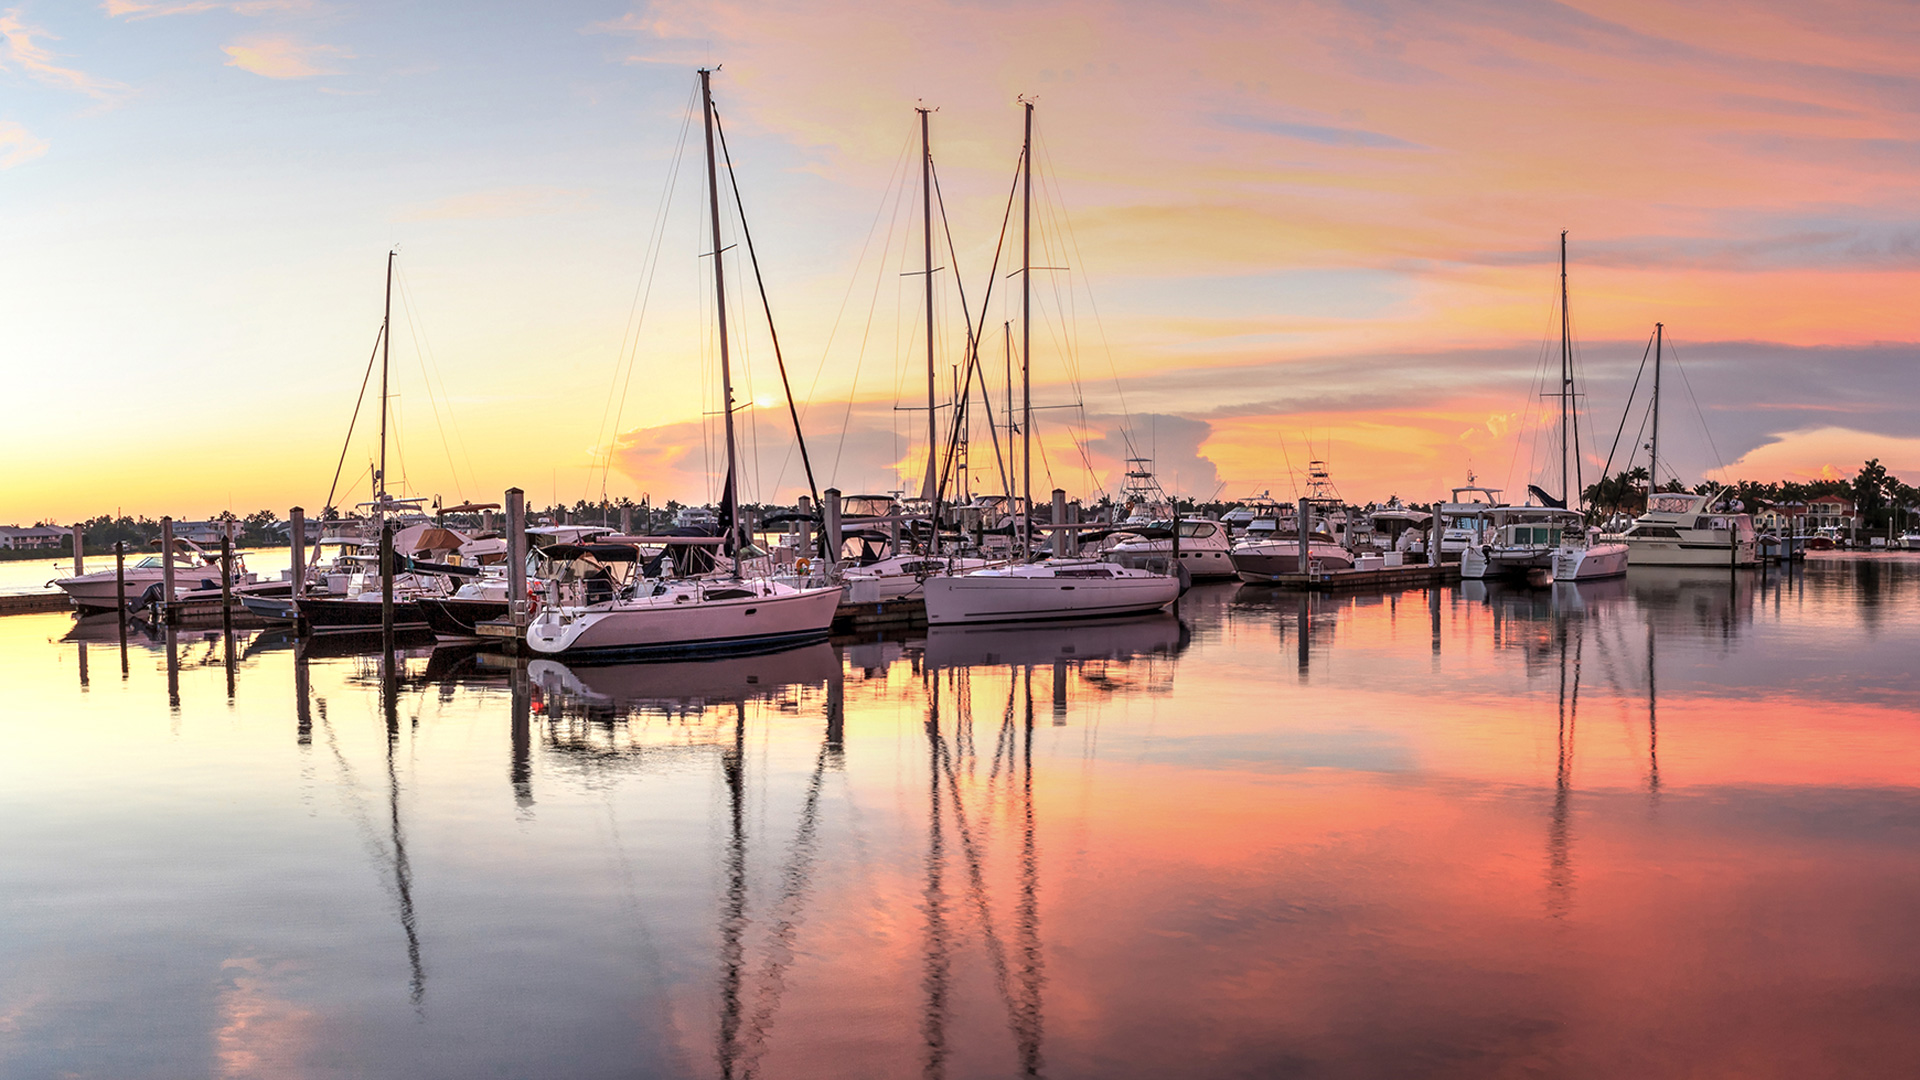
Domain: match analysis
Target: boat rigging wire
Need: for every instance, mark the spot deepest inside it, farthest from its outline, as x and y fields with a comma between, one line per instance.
x=1625, y=412
x=422, y=355
x=357, y=402
x=628, y=355
x=1704, y=429
x=746, y=233
x=873, y=303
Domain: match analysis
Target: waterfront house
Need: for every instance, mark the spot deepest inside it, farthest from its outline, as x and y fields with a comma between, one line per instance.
x=16, y=538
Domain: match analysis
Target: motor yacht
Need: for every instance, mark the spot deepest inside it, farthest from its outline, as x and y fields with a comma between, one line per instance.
x=1205, y=550
x=1679, y=529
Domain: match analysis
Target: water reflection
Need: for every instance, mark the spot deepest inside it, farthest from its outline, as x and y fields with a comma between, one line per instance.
x=1641, y=827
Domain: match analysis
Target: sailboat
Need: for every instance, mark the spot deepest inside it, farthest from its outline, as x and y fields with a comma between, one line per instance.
x=1546, y=540
x=901, y=572
x=1057, y=588
x=1680, y=529
x=666, y=614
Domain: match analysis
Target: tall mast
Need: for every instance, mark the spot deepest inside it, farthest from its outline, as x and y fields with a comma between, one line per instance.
x=386, y=341
x=1566, y=383
x=1026, y=330
x=1653, y=462
x=732, y=495
x=926, y=219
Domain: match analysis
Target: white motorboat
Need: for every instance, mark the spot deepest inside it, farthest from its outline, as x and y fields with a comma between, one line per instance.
x=193, y=568
x=1684, y=530
x=900, y=576
x=664, y=614
x=1585, y=554
x=1265, y=561
x=1204, y=548
x=1052, y=589
x=1519, y=541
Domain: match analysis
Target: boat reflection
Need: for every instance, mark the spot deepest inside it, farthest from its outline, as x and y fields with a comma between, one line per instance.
x=672, y=687
x=1161, y=635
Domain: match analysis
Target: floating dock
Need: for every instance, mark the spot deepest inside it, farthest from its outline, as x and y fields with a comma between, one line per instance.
x=34, y=603
x=909, y=611
x=1390, y=577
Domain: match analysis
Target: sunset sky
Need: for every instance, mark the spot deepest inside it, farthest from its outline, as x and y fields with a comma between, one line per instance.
x=1291, y=231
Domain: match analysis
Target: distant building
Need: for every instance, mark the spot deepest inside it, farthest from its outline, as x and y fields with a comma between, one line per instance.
x=1831, y=512
x=16, y=538
x=204, y=533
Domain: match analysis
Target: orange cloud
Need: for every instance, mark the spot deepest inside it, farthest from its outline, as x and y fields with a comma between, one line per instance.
x=18, y=49
x=18, y=145
x=284, y=58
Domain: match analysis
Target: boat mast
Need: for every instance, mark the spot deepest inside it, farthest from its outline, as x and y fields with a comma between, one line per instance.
x=927, y=491
x=1653, y=454
x=1026, y=331
x=386, y=342
x=732, y=493
x=1566, y=383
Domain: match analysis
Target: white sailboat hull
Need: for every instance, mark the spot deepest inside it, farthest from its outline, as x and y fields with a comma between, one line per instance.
x=998, y=597
x=770, y=617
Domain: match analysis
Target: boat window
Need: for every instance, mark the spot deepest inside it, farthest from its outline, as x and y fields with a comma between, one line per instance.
x=1087, y=572
x=1197, y=529
x=1656, y=532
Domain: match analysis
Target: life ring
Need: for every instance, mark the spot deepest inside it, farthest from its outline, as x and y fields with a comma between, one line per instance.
x=801, y=566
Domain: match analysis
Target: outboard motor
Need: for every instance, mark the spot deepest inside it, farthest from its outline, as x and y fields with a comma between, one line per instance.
x=146, y=600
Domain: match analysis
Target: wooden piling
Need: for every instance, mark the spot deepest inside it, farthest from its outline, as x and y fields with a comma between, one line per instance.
x=297, y=522
x=120, y=581
x=1303, y=524
x=166, y=562
x=79, y=552
x=517, y=612
x=1058, y=546
x=832, y=524
x=226, y=583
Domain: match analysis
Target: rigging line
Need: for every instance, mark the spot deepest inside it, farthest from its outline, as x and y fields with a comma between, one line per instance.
x=852, y=280
x=894, y=191
x=1704, y=429
x=1627, y=411
x=1526, y=411
x=433, y=362
x=972, y=363
x=413, y=331
x=642, y=297
x=357, y=402
x=766, y=305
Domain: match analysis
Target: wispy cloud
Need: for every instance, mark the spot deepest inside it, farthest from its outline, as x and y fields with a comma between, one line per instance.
x=282, y=57
x=1316, y=133
x=19, y=50
x=18, y=145
x=151, y=9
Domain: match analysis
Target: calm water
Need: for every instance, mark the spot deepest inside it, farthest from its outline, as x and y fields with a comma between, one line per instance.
x=1660, y=827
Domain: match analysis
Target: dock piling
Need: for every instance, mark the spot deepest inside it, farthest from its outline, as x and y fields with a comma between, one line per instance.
x=166, y=566
x=1059, y=538
x=226, y=584
x=1303, y=524
x=832, y=522
x=79, y=552
x=517, y=557
x=297, y=522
